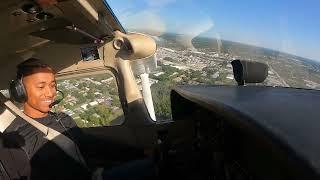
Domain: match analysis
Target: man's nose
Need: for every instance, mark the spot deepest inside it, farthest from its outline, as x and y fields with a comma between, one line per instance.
x=50, y=92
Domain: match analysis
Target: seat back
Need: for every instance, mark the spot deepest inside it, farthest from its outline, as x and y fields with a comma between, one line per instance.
x=6, y=118
x=14, y=161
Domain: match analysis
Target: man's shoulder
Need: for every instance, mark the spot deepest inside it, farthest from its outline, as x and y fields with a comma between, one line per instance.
x=19, y=123
x=16, y=124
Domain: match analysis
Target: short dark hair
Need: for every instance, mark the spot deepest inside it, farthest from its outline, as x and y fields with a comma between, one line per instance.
x=28, y=67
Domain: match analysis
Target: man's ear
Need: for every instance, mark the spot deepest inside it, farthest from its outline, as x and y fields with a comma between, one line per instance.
x=17, y=91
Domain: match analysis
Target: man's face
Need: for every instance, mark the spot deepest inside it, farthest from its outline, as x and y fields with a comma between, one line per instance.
x=41, y=92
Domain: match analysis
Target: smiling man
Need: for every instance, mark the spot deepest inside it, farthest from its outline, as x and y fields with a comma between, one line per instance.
x=40, y=88
x=35, y=89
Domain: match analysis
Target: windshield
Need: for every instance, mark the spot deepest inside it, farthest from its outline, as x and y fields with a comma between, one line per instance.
x=197, y=40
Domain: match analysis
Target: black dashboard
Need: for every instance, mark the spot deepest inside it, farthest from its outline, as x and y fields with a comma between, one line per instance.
x=245, y=132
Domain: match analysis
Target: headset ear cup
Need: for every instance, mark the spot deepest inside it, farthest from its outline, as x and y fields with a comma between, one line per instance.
x=17, y=91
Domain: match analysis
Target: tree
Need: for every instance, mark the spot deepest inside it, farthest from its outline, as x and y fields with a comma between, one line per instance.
x=161, y=99
x=116, y=101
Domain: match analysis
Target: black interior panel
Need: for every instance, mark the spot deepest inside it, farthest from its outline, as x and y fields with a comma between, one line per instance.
x=251, y=132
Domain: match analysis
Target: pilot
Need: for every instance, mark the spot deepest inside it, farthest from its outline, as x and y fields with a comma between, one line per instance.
x=35, y=88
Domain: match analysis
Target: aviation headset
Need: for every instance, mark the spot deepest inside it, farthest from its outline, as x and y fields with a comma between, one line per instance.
x=16, y=88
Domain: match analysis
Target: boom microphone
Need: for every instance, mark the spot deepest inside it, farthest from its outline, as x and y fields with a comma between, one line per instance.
x=58, y=100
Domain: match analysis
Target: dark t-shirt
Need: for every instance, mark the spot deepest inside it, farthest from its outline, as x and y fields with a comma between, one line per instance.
x=47, y=160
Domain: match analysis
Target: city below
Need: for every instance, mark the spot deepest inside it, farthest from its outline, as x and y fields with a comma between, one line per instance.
x=94, y=101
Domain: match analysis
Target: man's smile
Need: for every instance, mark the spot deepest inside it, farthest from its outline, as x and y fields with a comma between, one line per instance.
x=49, y=101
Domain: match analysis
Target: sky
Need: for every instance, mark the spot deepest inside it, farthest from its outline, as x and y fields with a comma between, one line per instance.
x=290, y=26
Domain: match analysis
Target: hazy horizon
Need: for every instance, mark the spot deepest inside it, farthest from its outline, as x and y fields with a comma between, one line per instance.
x=288, y=26
x=213, y=38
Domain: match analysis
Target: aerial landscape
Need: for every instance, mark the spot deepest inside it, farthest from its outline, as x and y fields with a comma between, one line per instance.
x=94, y=101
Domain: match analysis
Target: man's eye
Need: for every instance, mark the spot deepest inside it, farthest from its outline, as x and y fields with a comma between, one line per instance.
x=41, y=87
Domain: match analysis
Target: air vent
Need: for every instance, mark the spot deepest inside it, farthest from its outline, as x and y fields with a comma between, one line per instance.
x=31, y=8
x=44, y=16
